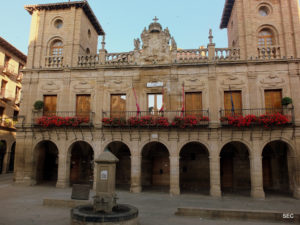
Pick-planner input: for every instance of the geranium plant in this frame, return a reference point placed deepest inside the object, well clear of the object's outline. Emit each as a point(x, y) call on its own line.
point(57, 121)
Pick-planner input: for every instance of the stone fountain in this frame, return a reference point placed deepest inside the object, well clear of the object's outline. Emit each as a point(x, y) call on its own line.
point(105, 210)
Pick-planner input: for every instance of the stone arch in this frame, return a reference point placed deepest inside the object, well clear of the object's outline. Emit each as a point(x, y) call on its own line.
point(46, 155)
point(81, 163)
point(202, 142)
point(235, 168)
point(51, 42)
point(244, 142)
point(279, 167)
point(273, 31)
point(123, 167)
point(125, 142)
point(194, 168)
point(163, 142)
point(155, 166)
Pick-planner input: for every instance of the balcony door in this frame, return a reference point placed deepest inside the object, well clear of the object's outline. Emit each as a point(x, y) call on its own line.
point(193, 103)
point(50, 105)
point(83, 106)
point(118, 106)
point(273, 101)
point(233, 103)
point(155, 103)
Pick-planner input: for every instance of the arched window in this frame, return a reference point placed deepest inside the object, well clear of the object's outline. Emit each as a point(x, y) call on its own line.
point(56, 48)
point(265, 38)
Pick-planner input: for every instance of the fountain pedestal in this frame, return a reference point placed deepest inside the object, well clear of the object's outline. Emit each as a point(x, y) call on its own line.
point(105, 210)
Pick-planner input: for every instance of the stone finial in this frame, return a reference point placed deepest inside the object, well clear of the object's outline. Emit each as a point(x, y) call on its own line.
point(137, 44)
point(103, 42)
point(173, 44)
point(210, 37)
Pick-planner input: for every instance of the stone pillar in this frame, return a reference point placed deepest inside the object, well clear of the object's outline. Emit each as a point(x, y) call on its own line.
point(256, 174)
point(174, 175)
point(136, 171)
point(215, 178)
point(5, 162)
point(63, 176)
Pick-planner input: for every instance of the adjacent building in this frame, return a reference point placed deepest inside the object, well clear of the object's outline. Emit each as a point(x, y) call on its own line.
point(207, 120)
point(12, 62)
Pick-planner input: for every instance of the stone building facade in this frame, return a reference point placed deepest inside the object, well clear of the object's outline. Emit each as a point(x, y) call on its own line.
point(11, 63)
point(207, 120)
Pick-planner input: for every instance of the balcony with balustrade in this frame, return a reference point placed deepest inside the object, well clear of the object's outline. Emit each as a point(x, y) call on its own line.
point(156, 120)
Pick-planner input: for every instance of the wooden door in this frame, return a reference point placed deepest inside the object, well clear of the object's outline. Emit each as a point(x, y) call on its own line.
point(227, 172)
point(267, 175)
point(193, 103)
point(50, 105)
point(83, 106)
point(118, 106)
point(233, 103)
point(273, 101)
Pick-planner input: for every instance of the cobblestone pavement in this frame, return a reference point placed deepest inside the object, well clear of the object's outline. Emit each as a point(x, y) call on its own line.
point(23, 206)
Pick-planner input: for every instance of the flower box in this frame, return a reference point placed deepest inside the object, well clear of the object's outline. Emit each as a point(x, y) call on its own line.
point(57, 121)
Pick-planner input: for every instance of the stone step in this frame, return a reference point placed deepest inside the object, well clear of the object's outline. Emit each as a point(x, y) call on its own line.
point(240, 214)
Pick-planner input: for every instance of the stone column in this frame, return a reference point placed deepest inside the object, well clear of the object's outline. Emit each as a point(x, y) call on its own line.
point(5, 162)
point(63, 176)
point(136, 171)
point(215, 178)
point(256, 173)
point(174, 175)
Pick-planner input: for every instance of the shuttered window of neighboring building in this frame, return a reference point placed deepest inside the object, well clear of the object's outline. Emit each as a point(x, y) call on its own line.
point(83, 106)
point(193, 103)
point(234, 97)
point(50, 105)
point(273, 101)
point(118, 106)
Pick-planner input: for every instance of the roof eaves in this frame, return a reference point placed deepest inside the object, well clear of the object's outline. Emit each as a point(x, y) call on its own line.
point(12, 49)
point(226, 13)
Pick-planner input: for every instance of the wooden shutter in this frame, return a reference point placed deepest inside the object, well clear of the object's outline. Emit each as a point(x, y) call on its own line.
point(50, 105)
point(83, 106)
point(193, 103)
point(237, 103)
point(273, 101)
point(118, 106)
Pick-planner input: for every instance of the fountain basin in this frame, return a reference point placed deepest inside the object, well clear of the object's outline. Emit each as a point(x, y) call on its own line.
point(122, 215)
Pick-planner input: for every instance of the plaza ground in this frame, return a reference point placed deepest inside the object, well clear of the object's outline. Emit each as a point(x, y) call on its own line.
point(22, 205)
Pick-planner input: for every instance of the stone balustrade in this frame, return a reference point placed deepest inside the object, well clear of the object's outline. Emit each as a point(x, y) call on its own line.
point(192, 55)
point(88, 60)
point(227, 53)
point(124, 58)
point(270, 52)
point(54, 61)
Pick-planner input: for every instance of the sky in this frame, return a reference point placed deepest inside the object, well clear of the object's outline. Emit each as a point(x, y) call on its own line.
point(188, 21)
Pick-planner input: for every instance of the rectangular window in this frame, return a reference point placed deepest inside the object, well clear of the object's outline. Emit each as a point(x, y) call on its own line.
point(233, 103)
point(193, 103)
point(118, 106)
point(50, 105)
point(6, 60)
point(155, 103)
point(83, 106)
point(3, 87)
point(273, 101)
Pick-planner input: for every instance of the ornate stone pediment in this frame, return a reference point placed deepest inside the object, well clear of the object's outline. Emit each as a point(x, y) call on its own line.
point(272, 80)
point(233, 80)
point(156, 45)
point(50, 86)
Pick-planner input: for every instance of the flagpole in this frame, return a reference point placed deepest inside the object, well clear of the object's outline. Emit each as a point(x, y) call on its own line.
point(182, 108)
point(232, 103)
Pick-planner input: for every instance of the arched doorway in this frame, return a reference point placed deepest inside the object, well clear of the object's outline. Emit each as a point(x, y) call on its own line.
point(2, 154)
point(155, 167)
point(12, 158)
point(194, 168)
point(235, 169)
point(277, 168)
point(82, 163)
point(123, 168)
point(47, 162)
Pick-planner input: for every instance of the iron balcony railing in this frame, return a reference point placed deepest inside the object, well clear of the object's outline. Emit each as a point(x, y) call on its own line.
point(48, 119)
point(260, 116)
point(153, 119)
